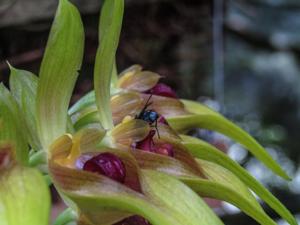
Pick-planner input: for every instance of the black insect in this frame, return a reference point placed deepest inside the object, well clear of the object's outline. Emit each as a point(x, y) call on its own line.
point(149, 116)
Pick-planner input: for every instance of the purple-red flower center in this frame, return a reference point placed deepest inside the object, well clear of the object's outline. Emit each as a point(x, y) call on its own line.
point(165, 149)
point(162, 120)
point(147, 144)
point(133, 220)
point(162, 90)
point(107, 164)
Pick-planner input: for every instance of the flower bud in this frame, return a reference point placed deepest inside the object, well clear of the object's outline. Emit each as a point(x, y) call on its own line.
point(162, 120)
point(107, 164)
point(147, 144)
point(133, 220)
point(162, 90)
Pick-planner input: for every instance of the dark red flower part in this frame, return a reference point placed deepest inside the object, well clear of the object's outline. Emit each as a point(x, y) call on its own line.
point(133, 220)
point(107, 164)
point(82, 159)
point(165, 149)
point(162, 120)
point(147, 144)
point(162, 90)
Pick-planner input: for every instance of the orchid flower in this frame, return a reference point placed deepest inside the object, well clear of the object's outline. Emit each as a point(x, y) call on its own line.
point(120, 155)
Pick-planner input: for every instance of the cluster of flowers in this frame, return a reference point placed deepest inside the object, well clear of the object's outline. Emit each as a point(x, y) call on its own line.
point(120, 155)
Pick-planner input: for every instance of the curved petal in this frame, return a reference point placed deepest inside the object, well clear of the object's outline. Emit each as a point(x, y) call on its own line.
point(131, 131)
point(21, 191)
point(125, 104)
point(58, 72)
point(139, 81)
point(13, 129)
point(203, 150)
point(206, 118)
point(184, 204)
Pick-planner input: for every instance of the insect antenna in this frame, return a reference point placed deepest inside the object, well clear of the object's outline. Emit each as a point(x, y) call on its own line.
point(156, 128)
point(145, 107)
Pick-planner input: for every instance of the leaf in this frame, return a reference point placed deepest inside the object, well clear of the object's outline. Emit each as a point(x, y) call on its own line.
point(13, 129)
point(208, 152)
point(23, 85)
point(110, 27)
point(58, 72)
point(185, 205)
point(206, 118)
point(21, 192)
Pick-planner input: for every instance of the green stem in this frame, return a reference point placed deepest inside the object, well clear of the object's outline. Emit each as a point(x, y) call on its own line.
point(38, 158)
point(65, 217)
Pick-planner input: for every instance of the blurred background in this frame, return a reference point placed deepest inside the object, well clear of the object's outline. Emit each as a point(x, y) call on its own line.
point(240, 57)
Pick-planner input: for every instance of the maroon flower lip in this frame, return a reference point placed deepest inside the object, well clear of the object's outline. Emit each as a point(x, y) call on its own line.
point(107, 164)
point(162, 90)
point(162, 120)
point(133, 220)
point(147, 144)
point(165, 149)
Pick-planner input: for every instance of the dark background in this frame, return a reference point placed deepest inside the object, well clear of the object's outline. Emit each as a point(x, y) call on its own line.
point(260, 89)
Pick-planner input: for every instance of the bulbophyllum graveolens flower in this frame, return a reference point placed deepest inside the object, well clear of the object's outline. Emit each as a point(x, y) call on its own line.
point(119, 155)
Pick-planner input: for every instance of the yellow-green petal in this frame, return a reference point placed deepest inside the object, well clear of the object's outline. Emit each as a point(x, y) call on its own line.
point(24, 195)
point(203, 117)
point(13, 129)
point(203, 150)
point(58, 72)
point(110, 27)
point(23, 85)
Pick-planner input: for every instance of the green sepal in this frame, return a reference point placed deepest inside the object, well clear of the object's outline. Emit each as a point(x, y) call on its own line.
point(181, 202)
point(206, 118)
point(12, 128)
point(24, 194)
point(223, 185)
point(109, 32)
point(84, 102)
point(23, 85)
point(67, 216)
point(94, 193)
point(203, 150)
point(58, 72)
point(219, 183)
